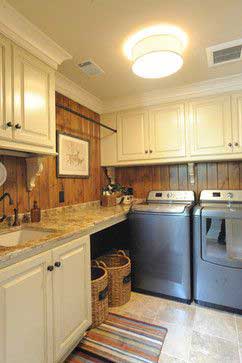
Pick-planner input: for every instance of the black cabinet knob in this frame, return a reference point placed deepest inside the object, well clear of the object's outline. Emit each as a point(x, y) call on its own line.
point(9, 124)
point(50, 268)
point(18, 126)
point(58, 264)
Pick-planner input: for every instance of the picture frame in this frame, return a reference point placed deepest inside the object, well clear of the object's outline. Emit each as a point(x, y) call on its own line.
point(73, 159)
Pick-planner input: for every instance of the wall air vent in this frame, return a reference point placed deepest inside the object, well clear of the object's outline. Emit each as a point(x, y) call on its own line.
point(224, 53)
point(90, 68)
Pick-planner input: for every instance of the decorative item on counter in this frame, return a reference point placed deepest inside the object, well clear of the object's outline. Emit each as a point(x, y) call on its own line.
point(109, 195)
point(128, 199)
point(108, 200)
point(128, 195)
point(35, 213)
point(122, 195)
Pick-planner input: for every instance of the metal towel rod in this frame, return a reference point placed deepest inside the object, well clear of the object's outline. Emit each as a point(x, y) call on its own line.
point(85, 117)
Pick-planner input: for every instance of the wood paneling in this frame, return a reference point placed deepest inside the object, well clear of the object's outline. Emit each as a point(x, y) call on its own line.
point(48, 185)
point(219, 175)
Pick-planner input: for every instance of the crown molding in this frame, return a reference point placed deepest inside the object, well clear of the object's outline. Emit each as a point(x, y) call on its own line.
point(75, 92)
point(20, 30)
point(199, 89)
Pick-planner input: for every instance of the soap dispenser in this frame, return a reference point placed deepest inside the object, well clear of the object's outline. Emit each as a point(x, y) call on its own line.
point(35, 213)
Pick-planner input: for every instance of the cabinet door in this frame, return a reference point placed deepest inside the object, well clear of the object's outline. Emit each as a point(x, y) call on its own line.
point(5, 89)
point(72, 294)
point(210, 126)
point(133, 135)
point(34, 100)
point(26, 311)
point(167, 131)
point(237, 122)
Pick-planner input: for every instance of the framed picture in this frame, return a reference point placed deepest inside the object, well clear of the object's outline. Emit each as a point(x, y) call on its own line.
point(73, 159)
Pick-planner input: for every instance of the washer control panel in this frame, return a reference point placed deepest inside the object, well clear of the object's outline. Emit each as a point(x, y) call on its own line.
point(221, 195)
point(171, 195)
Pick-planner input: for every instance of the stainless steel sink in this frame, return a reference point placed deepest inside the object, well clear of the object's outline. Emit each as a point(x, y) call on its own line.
point(21, 236)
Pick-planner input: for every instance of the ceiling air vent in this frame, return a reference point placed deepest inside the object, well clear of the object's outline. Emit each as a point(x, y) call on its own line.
point(90, 68)
point(224, 53)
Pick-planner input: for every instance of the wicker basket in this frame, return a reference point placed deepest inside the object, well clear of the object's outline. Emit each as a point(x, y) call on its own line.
point(119, 277)
point(99, 294)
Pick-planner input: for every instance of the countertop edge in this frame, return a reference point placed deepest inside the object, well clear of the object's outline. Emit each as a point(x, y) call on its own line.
point(20, 255)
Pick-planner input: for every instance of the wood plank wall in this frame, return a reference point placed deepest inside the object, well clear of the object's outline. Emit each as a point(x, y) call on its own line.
point(214, 175)
point(48, 185)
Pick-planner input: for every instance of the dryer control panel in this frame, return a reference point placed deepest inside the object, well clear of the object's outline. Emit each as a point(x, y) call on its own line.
point(221, 196)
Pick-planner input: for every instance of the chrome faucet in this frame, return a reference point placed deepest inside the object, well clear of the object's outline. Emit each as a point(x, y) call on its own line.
point(10, 203)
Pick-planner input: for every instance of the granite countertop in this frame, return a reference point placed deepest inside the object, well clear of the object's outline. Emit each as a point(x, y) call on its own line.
point(62, 223)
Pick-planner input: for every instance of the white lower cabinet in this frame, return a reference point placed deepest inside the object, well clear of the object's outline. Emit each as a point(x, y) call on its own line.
point(45, 304)
point(71, 294)
point(26, 311)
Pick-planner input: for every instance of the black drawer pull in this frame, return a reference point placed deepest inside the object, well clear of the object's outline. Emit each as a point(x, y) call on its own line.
point(50, 268)
point(58, 264)
point(103, 294)
point(127, 279)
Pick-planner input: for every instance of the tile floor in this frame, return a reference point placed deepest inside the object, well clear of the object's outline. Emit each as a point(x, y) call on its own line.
point(195, 334)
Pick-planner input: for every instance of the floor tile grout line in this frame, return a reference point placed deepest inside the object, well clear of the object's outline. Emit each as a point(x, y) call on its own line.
point(216, 336)
point(237, 330)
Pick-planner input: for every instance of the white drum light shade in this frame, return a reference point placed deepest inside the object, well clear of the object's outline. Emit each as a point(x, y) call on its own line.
point(156, 52)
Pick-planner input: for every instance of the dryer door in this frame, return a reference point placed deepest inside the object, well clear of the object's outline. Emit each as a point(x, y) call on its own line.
point(221, 241)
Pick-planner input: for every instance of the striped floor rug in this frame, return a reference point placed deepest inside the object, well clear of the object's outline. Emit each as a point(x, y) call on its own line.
point(120, 340)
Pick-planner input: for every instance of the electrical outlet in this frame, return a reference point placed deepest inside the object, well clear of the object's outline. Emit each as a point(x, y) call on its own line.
point(61, 196)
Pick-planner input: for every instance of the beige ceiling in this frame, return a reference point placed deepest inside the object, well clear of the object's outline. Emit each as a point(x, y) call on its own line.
point(96, 29)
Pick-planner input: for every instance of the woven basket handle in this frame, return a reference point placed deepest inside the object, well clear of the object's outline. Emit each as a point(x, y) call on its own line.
point(103, 264)
point(122, 253)
point(95, 263)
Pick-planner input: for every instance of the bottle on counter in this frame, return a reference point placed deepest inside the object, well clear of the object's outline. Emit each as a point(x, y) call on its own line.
point(35, 213)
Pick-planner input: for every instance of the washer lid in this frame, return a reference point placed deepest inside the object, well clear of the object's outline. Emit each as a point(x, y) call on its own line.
point(160, 208)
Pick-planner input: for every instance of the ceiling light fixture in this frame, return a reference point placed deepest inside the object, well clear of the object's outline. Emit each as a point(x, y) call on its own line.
point(156, 51)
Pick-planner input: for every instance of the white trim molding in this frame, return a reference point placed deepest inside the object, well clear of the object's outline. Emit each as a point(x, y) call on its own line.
point(199, 89)
point(20, 30)
point(75, 92)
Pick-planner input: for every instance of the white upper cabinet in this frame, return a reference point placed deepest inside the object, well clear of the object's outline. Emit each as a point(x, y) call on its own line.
point(5, 89)
point(167, 132)
point(26, 311)
point(237, 122)
point(27, 101)
point(133, 135)
point(207, 128)
point(72, 294)
point(210, 126)
point(34, 87)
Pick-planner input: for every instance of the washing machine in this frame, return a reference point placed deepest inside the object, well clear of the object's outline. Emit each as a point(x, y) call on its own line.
point(217, 250)
point(160, 233)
